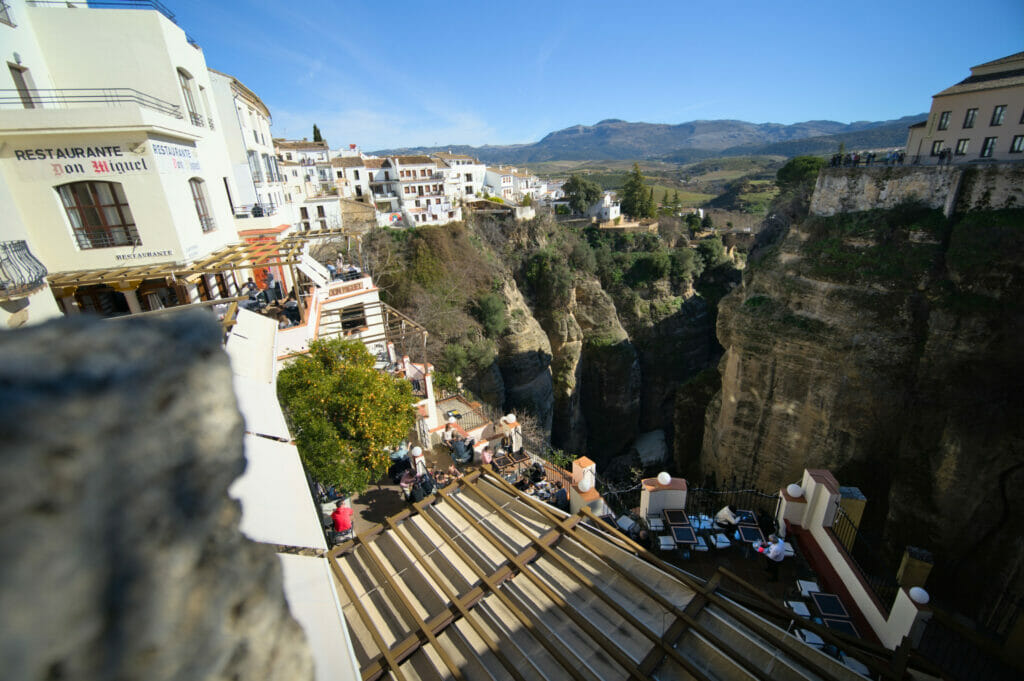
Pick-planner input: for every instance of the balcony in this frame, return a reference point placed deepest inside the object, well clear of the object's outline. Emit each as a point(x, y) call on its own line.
point(91, 110)
point(85, 97)
point(20, 273)
point(115, 4)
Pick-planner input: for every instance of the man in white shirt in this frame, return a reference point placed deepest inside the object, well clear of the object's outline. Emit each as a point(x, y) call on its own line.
point(773, 552)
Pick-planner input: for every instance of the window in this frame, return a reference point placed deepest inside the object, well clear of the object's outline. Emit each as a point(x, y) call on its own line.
point(944, 120)
point(227, 190)
point(998, 114)
point(961, 147)
point(341, 174)
point(353, 317)
point(469, 177)
point(254, 166)
point(277, 169)
point(936, 147)
point(356, 174)
point(186, 91)
point(269, 166)
point(320, 211)
point(304, 212)
point(1017, 145)
point(21, 83)
point(202, 202)
point(969, 118)
point(359, 190)
point(988, 147)
point(99, 214)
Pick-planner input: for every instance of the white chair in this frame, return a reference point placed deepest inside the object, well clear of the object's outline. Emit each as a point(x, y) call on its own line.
point(810, 638)
point(666, 543)
point(655, 523)
point(721, 541)
point(807, 588)
point(799, 607)
point(855, 665)
point(701, 545)
point(788, 549)
point(625, 523)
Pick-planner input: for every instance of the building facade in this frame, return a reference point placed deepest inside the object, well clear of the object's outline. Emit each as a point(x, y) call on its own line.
point(111, 162)
point(979, 119)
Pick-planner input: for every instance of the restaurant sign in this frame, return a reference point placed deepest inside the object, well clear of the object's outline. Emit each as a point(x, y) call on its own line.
point(90, 161)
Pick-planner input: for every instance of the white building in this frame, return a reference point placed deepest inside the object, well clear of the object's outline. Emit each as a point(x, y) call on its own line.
point(258, 189)
point(309, 183)
point(425, 195)
point(513, 184)
point(605, 209)
point(465, 174)
point(111, 162)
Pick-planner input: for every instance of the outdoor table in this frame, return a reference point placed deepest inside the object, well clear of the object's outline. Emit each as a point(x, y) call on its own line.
point(676, 517)
point(829, 605)
point(843, 626)
point(519, 457)
point(744, 517)
point(751, 534)
point(502, 462)
point(684, 535)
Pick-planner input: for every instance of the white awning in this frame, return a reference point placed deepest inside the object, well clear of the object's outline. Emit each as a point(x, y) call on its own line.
point(251, 346)
point(259, 406)
point(309, 589)
point(277, 507)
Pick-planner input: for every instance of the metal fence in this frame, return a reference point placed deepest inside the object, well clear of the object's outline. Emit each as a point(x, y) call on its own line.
point(878, 572)
point(709, 501)
point(83, 97)
point(20, 271)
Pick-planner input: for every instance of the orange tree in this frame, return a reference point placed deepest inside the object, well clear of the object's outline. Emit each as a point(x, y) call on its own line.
point(343, 412)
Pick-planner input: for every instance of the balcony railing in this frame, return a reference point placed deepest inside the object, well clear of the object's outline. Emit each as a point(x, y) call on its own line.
point(208, 224)
point(115, 4)
point(256, 210)
point(20, 272)
point(876, 570)
point(197, 118)
point(5, 14)
point(82, 97)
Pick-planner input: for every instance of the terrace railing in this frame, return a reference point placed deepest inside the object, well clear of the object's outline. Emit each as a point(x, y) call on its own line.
point(20, 272)
point(878, 572)
point(115, 4)
point(66, 98)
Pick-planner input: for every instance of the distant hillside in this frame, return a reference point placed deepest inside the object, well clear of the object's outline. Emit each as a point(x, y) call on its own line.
point(880, 137)
point(616, 139)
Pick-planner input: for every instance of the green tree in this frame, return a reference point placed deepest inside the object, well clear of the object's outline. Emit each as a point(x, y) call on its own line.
point(706, 223)
point(343, 412)
point(634, 194)
point(651, 207)
point(316, 134)
point(581, 192)
point(799, 174)
point(489, 310)
point(712, 252)
point(527, 200)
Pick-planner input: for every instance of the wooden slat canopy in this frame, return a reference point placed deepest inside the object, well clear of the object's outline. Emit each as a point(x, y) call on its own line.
point(286, 252)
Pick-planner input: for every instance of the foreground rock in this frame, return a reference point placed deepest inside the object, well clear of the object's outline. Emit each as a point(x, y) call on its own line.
point(122, 555)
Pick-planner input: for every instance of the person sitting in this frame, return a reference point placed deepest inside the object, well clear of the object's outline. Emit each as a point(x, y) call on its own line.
point(561, 499)
point(450, 434)
point(454, 473)
point(402, 452)
point(726, 518)
point(524, 483)
point(537, 472)
point(440, 477)
point(462, 451)
point(486, 457)
point(342, 517)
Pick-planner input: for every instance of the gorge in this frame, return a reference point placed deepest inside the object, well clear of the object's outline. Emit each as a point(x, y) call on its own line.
point(881, 343)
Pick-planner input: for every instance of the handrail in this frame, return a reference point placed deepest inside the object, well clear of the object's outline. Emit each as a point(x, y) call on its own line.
point(68, 97)
point(111, 4)
point(20, 271)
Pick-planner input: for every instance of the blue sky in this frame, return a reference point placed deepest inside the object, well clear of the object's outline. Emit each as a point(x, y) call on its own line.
point(390, 74)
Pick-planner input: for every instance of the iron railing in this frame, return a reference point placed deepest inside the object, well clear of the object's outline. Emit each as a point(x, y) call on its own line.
point(208, 224)
point(20, 272)
point(197, 118)
point(709, 501)
point(110, 4)
point(75, 97)
point(5, 14)
point(879, 574)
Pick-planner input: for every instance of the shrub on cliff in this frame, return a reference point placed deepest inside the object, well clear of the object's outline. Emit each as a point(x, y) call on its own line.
point(343, 412)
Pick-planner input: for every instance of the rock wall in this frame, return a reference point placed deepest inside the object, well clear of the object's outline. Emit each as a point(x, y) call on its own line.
point(885, 346)
point(122, 554)
point(960, 187)
point(524, 360)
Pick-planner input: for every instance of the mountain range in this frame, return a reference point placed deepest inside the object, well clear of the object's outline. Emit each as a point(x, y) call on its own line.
point(615, 139)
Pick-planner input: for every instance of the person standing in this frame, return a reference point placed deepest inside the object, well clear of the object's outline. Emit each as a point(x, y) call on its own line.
point(773, 552)
point(342, 517)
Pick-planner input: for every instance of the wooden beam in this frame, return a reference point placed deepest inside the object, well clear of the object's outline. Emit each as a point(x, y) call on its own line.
point(603, 641)
point(410, 610)
point(365, 617)
point(601, 594)
point(540, 632)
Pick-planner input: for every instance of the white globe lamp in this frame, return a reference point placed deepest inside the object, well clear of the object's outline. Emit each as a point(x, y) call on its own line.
point(919, 595)
point(664, 479)
point(585, 484)
point(416, 451)
point(795, 490)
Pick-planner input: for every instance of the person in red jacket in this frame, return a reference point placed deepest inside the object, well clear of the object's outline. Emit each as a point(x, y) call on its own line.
point(342, 517)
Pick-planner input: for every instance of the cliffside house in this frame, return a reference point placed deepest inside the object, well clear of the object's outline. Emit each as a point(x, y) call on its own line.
point(981, 118)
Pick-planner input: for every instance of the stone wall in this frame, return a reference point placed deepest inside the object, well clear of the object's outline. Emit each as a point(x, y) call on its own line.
point(959, 187)
point(122, 554)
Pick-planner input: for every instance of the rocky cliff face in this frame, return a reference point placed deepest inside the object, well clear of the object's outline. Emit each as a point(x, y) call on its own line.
point(885, 346)
point(122, 554)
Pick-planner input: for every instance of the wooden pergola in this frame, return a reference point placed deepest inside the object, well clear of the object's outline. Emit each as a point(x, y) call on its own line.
point(284, 253)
